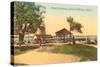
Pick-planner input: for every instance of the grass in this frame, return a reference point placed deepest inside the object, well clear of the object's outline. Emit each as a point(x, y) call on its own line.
point(22, 49)
point(85, 52)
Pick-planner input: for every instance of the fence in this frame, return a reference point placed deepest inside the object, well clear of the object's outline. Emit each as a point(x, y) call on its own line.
point(86, 38)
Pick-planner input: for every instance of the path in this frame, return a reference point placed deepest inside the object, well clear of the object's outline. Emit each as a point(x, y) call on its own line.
point(33, 57)
point(92, 45)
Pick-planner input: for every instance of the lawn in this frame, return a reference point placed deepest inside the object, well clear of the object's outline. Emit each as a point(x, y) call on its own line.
point(22, 49)
point(86, 53)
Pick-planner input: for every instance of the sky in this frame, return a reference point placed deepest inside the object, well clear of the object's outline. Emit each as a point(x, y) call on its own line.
point(56, 17)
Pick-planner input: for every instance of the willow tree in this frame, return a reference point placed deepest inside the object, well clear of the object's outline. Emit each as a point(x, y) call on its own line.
point(74, 26)
point(28, 17)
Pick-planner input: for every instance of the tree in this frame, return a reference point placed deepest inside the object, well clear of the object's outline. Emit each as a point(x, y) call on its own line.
point(43, 33)
point(28, 16)
point(74, 26)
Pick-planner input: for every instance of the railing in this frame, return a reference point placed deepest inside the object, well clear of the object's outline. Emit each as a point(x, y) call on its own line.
point(77, 37)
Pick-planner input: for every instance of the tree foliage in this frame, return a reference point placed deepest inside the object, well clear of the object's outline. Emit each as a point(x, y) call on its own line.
point(74, 26)
point(27, 12)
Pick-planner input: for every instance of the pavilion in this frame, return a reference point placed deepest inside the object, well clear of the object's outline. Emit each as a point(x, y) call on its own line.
point(62, 34)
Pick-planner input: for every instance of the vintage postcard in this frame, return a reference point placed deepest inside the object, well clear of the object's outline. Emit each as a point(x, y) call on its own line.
point(48, 33)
